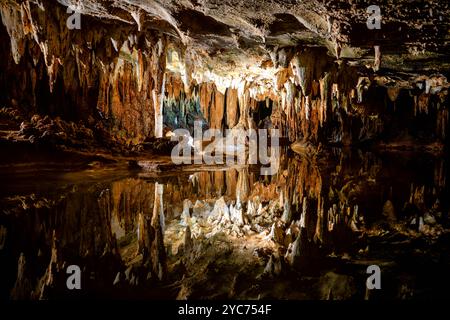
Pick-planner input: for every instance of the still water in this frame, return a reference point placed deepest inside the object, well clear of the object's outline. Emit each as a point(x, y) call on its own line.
point(308, 232)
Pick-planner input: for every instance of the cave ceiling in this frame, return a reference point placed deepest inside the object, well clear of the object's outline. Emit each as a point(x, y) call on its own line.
point(239, 34)
point(260, 46)
point(246, 37)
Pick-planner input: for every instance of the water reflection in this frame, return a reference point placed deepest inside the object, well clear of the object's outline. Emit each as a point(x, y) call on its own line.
point(308, 232)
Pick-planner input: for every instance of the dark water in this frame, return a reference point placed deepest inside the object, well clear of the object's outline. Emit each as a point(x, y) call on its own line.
point(127, 230)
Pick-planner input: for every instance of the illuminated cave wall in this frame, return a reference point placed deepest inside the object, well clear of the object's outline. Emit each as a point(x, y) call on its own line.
point(114, 76)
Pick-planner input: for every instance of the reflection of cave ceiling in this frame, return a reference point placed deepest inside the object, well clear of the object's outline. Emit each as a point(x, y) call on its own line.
point(244, 32)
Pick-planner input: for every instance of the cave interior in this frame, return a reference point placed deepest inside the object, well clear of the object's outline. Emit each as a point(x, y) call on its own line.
point(93, 92)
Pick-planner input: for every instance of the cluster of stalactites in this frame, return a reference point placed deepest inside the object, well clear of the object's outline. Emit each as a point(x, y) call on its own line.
point(125, 67)
point(221, 108)
point(311, 92)
point(20, 25)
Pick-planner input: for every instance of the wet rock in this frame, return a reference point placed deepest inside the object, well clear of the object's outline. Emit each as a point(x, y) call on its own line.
point(429, 219)
point(133, 165)
point(389, 211)
point(274, 267)
point(258, 229)
point(334, 286)
point(22, 288)
point(148, 165)
point(27, 129)
point(305, 148)
point(263, 253)
point(12, 114)
point(48, 131)
point(187, 240)
point(160, 146)
point(3, 236)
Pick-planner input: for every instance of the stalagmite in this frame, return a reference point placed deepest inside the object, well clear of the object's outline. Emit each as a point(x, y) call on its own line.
point(296, 254)
point(221, 210)
point(236, 215)
point(304, 213)
point(287, 214)
point(185, 215)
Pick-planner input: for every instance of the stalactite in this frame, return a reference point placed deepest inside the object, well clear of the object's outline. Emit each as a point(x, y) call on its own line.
point(442, 123)
point(12, 17)
point(206, 96)
point(324, 89)
point(318, 236)
point(123, 82)
point(129, 73)
point(217, 110)
point(232, 111)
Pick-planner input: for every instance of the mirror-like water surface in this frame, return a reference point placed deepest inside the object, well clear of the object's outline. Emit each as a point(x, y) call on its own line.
point(308, 232)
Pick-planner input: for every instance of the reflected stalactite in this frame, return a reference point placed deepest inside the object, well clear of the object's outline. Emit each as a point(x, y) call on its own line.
point(440, 174)
point(22, 287)
point(155, 240)
point(294, 220)
point(231, 182)
point(129, 198)
point(243, 185)
point(442, 124)
point(307, 180)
